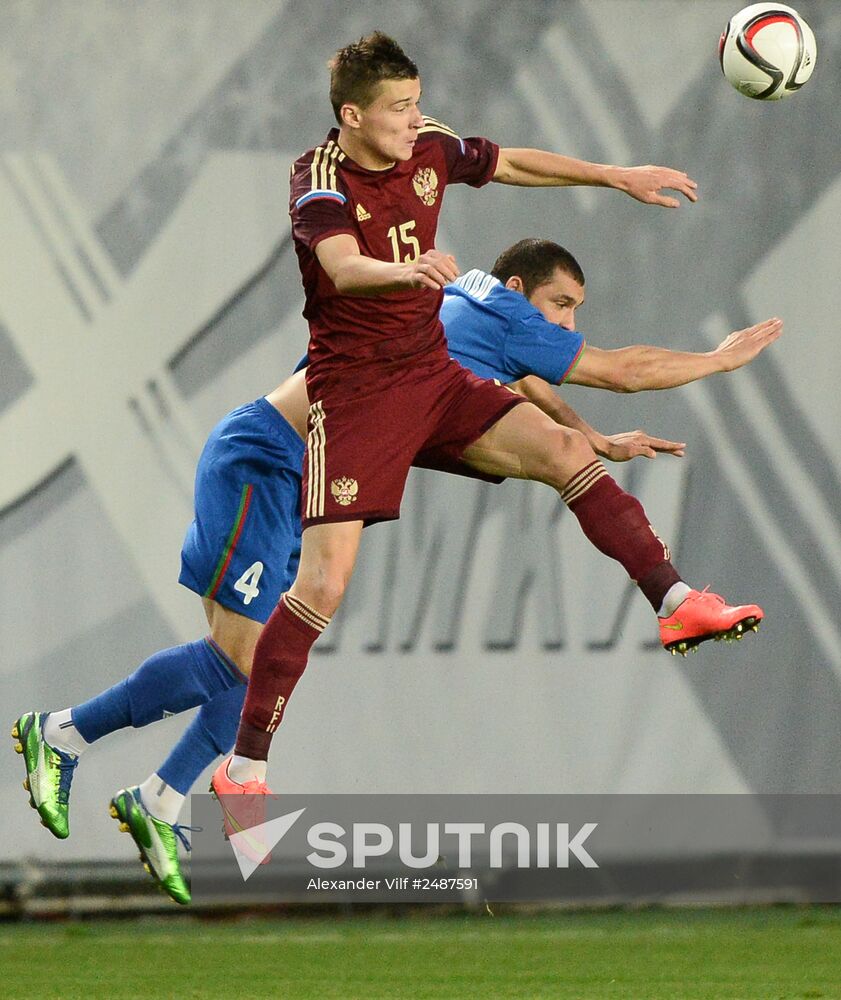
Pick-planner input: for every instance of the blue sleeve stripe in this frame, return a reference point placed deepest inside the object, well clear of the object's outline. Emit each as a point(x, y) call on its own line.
point(319, 193)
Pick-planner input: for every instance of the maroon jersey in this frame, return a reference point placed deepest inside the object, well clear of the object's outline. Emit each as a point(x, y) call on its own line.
point(393, 215)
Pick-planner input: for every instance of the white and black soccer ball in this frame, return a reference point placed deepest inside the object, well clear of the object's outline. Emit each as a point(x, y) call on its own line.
point(767, 51)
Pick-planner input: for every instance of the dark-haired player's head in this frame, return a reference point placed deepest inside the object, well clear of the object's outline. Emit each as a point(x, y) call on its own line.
point(358, 70)
point(374, 90)
point(547, 274)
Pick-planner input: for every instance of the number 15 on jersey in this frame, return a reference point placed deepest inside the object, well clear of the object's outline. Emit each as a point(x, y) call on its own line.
point(402, 239)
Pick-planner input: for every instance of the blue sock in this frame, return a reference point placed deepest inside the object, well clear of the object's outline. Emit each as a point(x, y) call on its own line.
point(211, 733)
point(167, 683)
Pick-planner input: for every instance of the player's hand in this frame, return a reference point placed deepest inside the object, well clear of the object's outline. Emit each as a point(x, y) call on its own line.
point(432, 269)
point(646, 183)
point(743, 346)
point(634, 444)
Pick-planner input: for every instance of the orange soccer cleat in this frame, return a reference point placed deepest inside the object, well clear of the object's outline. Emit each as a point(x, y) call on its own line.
point(243, 808)
point(703, 615)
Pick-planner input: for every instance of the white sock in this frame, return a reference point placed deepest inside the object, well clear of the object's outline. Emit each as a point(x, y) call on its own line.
point(61, 734)
point(161, 799)
point(242, 769)
point(675, 596)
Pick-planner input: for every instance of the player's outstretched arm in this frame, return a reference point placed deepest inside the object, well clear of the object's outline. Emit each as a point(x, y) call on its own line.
point(615, 447)
point(537, 168)
point(354, 274)
point(634, 369)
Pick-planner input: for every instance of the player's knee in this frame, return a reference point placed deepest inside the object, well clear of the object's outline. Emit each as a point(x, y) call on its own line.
point(323, 591)
point(242, 654)
point(564, 452)
point(238, 649)
point(236, 636)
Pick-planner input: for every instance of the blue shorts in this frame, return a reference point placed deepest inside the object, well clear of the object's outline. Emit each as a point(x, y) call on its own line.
point(243, 546)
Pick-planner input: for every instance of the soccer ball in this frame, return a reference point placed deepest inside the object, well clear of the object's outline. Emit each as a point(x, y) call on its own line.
point(767, 51)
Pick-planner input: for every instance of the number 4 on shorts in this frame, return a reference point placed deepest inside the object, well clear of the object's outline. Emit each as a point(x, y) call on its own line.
point(247, 583)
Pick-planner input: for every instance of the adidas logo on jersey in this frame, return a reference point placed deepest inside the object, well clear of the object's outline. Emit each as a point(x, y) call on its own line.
point(361, 214)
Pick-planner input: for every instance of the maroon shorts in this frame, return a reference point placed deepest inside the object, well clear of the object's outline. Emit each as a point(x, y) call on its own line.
point(365, 436)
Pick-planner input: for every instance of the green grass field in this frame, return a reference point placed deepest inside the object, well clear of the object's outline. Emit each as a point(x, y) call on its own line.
point(775, 953)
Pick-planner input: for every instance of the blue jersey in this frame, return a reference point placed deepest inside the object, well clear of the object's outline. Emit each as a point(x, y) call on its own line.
point(498, 333)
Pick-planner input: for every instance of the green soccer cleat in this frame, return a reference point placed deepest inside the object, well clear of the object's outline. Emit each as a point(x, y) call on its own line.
point(49, 773)
point(156, 840)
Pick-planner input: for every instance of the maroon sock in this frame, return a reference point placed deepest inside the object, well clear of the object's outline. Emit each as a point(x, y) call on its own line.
point(280, 658)
point(616, 524)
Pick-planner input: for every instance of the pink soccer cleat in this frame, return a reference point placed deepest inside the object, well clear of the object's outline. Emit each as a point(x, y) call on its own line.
point(703, 615)
point(243, 808)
